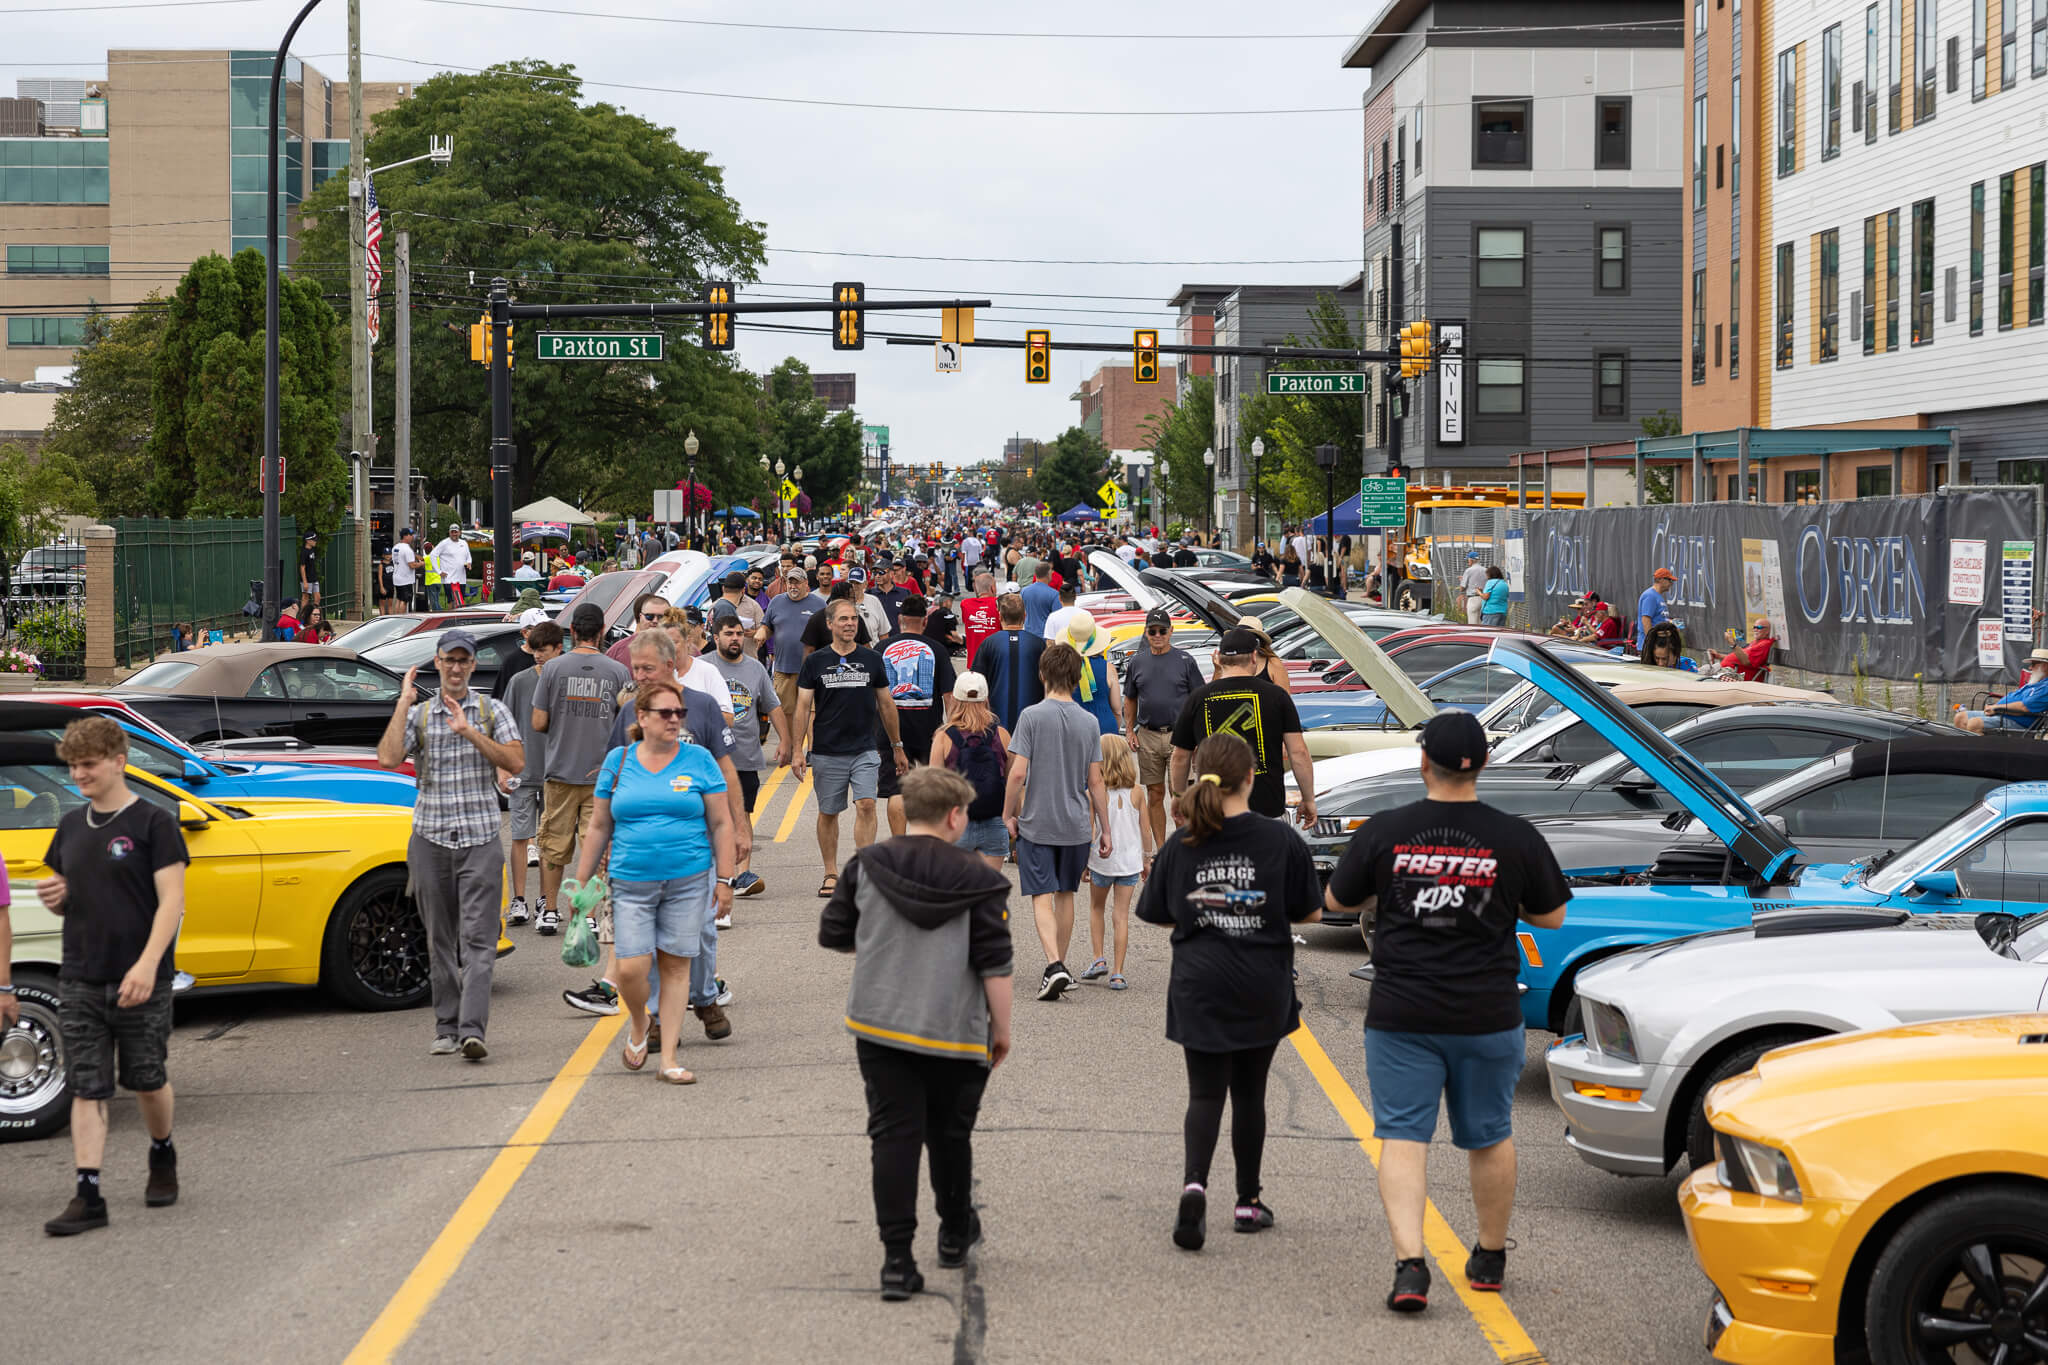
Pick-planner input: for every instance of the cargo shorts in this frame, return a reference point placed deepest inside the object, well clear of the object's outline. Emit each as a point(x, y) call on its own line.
point(98, 1034)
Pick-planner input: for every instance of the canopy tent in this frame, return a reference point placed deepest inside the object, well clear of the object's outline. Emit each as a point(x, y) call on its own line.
point(1080, 511)
point(990, 503)
point(534, 531)
point(746, 513)
point(552, 509)
point(1347, 519)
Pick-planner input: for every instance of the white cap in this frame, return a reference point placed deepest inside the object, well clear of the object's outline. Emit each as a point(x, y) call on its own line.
point(532, 617)
point(970, 686)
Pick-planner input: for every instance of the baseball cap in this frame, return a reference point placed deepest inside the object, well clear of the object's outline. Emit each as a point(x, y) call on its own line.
point(1472, 554)
point(913, 605)
point(1238, 641)
point(311, 536)
point(587, 620)
point(856, 575)
point(455, 639)
point(1159, 616)
point(1664, 573)
point(531, 617)
point(1455, 740)
point(970, 687)
point(794, 572)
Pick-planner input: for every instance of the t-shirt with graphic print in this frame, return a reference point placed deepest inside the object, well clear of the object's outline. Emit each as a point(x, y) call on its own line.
point(1230, 900)
point(753, 697)
point(920, 678)
point(1452, 878)
point(1258, 712)
point(580, 693)
point(109, 865)
point(843, 709)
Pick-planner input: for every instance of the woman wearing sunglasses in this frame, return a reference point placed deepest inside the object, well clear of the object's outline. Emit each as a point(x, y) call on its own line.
point(661, 810)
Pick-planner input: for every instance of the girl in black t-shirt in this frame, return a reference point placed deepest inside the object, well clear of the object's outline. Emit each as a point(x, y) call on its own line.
point(1231, 883)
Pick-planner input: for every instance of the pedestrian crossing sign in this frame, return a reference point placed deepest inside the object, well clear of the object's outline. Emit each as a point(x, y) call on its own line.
point(1112, 496)
point(790, 491)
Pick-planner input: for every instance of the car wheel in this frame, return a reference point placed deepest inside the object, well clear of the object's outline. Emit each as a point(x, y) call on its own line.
point(35, 1091)
point(1699, 1138)
point(1963, 1271)
point(375, 955)
point(1408, 600)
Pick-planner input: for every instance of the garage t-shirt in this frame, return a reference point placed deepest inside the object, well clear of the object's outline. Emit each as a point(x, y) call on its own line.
point(1452, 878)
point(110, 893)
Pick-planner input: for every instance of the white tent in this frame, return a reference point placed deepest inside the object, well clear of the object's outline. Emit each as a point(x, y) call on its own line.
point(552, 509)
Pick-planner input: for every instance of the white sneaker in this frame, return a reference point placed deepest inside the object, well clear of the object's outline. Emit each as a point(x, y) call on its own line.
point(724, 996)
point(723, 921)
point(515, 913)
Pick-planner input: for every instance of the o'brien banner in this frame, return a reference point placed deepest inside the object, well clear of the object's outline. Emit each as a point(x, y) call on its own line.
point(1849, 586)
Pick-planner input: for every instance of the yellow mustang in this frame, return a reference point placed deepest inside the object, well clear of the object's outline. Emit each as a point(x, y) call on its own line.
point(280, 892)
point(1887, 1190)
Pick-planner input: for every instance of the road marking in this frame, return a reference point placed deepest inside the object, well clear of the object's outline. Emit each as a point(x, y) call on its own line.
point(1497, 1322)
point(796, 808)
point(410, 1304)
point(768, 788)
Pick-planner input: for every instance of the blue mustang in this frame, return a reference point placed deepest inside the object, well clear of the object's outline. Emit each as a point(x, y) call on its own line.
point(1990, 858)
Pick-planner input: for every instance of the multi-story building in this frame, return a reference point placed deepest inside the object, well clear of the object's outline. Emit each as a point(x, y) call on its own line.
point(1117, 410)
point(165, 165)
point(1197, 327)
point(1866, 185)
point(1523, 181)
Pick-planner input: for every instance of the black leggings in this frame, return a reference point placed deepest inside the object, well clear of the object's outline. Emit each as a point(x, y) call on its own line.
point(1241, 1075)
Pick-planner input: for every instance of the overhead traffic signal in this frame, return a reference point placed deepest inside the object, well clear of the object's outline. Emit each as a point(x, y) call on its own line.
point(1415, 356)
point(1145, 355)
point(718, 325)
point(1038, 356)
point(482, 343)
point(956, 325)
point(846, 322)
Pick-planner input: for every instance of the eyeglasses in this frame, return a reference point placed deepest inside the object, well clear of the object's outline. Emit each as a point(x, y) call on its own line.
point(654, 616)
point(665, 712)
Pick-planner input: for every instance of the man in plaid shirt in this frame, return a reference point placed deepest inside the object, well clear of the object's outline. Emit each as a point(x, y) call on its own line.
point(459, 741)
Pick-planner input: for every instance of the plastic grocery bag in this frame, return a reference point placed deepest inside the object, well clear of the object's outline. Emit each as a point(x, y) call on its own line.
point(579, 938)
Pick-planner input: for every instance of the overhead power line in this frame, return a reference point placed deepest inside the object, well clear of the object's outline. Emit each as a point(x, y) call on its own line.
point(134, 4)
point(891, 32)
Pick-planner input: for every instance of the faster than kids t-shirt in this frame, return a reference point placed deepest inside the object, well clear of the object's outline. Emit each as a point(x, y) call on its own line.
point(110, 895)
point(843, 709)
point(658, 825)
point(1452, 878)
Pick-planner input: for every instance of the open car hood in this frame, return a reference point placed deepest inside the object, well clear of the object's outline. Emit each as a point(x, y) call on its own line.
point(1126, 578)
point(1210, 606)
point(1367, 659)
point(1732, 820)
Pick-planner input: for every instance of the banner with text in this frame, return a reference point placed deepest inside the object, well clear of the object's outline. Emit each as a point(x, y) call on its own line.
point(1891, 587)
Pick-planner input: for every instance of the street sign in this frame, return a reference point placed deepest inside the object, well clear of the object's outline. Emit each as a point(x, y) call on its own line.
point(946, 357)
point(790, 491)
point(1383, 503)
point(1313, 381)
point(1110, 495)
point(600, 345)
point(668, 505)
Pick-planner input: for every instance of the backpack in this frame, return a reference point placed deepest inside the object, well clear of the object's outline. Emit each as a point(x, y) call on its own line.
point(487, 721)
point(983, 761)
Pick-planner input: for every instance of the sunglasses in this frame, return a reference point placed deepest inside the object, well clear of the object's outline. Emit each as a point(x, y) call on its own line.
point(1159, 630)
point(665, 712)
point(654, 616)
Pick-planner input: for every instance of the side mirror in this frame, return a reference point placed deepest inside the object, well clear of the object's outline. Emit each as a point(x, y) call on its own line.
point(191, 817)
point(1941, 884)
point(195, 771)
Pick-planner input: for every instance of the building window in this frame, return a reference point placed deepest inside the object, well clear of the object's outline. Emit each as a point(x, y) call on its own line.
point(1874, 481)
point(2005, 252)
point(1501, 390)
point(1788, 112)
point(2033, 472)
point(1502, 254)
point(1500, 134)
point(46, 331)
point(1867, 92)
point(1699, 151)
point(1784, 306)
point(53, 170)
point(1923, 272)
point(1893, 37)
point(1699, 16)
point(1699, 326)
point(1612, 398)
point(1831, 93)
point(1386, 175)
point(57, 260)
point(1977, 34)
point(1830, 320)
point(2041, 37)
point(1977, 259)
point(1735, 318)
point(1735, 132)
point(1869, 309)
point(1610, 133)
point(1891, 280)
point(2037, 239)
point(1418, 141)
point(1613, 260)
point(1927, 53)
point(1400, 164)
point(1802, 485)
point(1755, 486)
point(2009, 45)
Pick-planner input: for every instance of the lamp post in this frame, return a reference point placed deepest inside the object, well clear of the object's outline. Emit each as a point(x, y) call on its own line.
point(796, 476)
point(690, 449)
point(781, 517)
point(1209, 498)
point(1258, 506)
point(1326, 456)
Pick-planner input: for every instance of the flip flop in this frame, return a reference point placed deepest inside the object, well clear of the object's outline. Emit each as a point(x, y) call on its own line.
point(828, 886)
point(676, 1075)
point(628, 1053)
point(1117, 982)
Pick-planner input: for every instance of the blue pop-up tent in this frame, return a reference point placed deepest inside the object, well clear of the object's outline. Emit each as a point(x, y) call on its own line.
point(1347, 520)
point(1080, 511)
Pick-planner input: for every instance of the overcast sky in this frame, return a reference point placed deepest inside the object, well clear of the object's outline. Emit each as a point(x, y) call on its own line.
point(916, 184)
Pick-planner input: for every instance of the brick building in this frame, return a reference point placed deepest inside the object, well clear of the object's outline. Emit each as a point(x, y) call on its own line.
point(1117, 410)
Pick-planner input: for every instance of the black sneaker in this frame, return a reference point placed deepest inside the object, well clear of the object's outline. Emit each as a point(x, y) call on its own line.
point(900, 1279)
point(1484, 1270)
point(1252, 1216)
point(1190, 1230)
point(78, 1216)
point(600, 998)
point(163, 1180)
point(1410, 1293)
point(953, 1243)
point(1056, 981)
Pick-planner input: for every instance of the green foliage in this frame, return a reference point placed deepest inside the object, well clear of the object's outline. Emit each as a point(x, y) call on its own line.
point(574, 203)
point(51, 632)
point(1660, 483)
point(796, 429)
point(206, 443)
point(1179, 435)
point(37, 492)
point(1293, 425)
point(1015, 490)
point(1071, 470)
point(103, 421)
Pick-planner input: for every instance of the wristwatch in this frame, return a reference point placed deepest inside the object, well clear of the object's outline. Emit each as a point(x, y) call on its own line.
point(728, 881)
point(899, 743)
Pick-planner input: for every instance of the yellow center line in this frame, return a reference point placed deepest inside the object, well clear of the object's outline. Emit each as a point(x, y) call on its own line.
point(796, 808)
point(768, 787)
point(410, 1304)
point(1497, 1322)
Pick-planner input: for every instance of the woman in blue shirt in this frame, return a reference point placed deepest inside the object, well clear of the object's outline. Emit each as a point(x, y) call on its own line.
point(666, 837)
point(1493, 607)
point(1094, 694)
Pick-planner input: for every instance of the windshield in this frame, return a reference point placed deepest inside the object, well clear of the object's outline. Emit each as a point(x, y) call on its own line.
point(1898, 874)
point(2032, 941)
point(414, 651)
point(165, 674)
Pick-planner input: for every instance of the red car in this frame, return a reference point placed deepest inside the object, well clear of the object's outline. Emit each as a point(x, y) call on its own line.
point(272, 749)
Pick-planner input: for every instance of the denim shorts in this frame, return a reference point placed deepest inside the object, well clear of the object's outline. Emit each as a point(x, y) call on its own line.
point(1044, 869)
point(1493, 618)
point(1474, 1074)
point(98, 1034)
point(667, 915)
point(986, 836)
point(1112, 878)
point(2002, 721)
point(835, 777)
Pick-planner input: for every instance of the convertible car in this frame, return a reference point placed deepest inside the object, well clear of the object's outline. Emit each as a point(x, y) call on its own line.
point(316, 693)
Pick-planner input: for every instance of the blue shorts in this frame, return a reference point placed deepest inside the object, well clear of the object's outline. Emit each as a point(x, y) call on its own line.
point(668, 915)
point(1474, 1074)
point(2003, 721)
point(1493, 618)
point(1046, 869)
point(834, 777)
point(986, 836)
point(1112, 878)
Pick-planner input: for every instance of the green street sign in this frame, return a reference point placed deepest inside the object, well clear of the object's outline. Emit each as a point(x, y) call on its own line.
point(1313, 381)
point(1383, 503)
point(600, 345)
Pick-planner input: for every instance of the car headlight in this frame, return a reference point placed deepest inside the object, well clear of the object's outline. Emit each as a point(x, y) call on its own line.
point(1753, 1168)
point(1337, 826)
point(1607, 1029)
point(1419, 569)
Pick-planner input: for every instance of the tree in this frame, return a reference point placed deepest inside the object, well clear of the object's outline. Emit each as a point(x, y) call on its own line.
point(797, 429)
point(37, 492)
point(572, 203)
point(1660, 483)
point(207, 397)
point(1179, 435)
point(1293, 425)
point(1013, 489)
point(1072, 469)
point(102, 422)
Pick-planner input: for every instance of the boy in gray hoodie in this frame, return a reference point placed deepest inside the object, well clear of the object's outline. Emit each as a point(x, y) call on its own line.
point(929, 1009)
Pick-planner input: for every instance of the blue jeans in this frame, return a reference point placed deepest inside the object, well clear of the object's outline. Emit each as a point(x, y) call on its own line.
point(704, 966)
point(1493, 618)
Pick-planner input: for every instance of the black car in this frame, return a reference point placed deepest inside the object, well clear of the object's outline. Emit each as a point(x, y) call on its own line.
point(495, 647)
point(321, 694)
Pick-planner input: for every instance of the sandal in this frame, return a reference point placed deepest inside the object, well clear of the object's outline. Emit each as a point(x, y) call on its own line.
point(1096, 969)
point(828, 886)
point(1117, 982)
point(676, 1075)
point(629, 1052)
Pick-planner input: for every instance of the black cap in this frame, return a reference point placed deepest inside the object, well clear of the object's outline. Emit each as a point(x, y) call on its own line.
point(1238, 641)
point(587, 621)
point(1455, 740)
point(1159, 616)
point(913, 605)
point(735, 580)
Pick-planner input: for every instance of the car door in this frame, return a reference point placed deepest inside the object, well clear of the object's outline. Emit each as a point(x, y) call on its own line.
point(2007, 872)
point(1746, 757)
point(337, 700)
point(265, 709)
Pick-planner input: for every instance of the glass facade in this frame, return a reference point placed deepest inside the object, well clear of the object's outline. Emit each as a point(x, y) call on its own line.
point(46, 331)
point(56, 260)
point(249, 165)
point(53, 170)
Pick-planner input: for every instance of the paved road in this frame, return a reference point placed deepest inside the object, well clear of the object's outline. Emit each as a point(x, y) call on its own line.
point(346, 1193)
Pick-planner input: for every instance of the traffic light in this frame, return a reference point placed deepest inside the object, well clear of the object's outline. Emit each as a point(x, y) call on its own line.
point(1145, 355)
point(718, 326)
point(482, 343)
point(1415, 357)
point(1038, 356)
point(846, 322)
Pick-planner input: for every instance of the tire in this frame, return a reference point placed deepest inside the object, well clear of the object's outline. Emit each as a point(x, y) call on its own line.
point(35, 1091)
point(1937, 1267)
point(374, 956)
point(1699, 1138)
point(1410, 600)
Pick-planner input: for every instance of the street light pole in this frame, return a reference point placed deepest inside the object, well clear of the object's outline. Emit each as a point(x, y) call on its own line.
point(690, 449)
point(1209, 498)
point(1258, 506)
point(1326, 456)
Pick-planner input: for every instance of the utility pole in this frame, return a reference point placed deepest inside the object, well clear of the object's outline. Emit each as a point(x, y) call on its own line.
point(401, 408)
point(358, 286)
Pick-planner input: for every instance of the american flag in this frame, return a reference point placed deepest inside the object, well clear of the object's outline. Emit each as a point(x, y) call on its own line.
point(373, 252)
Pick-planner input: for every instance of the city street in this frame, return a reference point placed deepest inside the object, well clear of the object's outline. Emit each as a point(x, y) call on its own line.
point(345, 1192)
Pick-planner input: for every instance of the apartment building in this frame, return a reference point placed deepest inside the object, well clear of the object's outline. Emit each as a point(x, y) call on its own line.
point(1523, 184)
point(1119, 411)
point(1866, 187)
point(135, 175)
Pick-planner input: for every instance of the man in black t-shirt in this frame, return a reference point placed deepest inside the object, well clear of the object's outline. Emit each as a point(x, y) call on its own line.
point(1240, 700)
point(1444, 881)
point(842, 698)
point(117, 868)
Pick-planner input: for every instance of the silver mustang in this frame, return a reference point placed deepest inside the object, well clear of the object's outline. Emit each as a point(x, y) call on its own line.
point(1665, 1023)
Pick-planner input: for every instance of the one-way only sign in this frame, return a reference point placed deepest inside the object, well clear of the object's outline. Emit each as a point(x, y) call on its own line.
point(600, 345)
